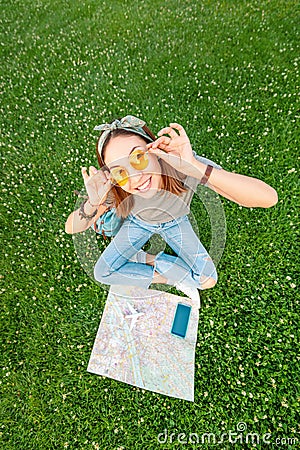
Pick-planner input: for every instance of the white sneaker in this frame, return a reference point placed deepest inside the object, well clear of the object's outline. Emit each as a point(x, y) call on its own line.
point(139, 257)
point(191, 292)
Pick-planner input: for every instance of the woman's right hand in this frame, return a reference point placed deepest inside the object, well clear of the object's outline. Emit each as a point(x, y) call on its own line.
point(97, 184)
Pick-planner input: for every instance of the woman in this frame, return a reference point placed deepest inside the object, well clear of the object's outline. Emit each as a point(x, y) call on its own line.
point(151, 183)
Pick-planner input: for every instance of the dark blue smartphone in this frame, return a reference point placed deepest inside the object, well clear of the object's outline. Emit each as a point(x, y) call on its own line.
point(181, 320)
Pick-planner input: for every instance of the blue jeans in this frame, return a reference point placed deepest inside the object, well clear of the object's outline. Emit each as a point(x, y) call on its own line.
point(192, 265)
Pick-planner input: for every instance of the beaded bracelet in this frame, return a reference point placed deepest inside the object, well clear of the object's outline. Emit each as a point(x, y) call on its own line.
point(83, 215)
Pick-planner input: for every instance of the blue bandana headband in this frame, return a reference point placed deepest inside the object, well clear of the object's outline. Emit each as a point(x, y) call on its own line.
point(129, 123)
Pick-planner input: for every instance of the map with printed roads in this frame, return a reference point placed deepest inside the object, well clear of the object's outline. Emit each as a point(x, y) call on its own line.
point(134, 343)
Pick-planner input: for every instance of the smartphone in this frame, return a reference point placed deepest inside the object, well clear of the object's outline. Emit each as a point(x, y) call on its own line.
point(181, 320)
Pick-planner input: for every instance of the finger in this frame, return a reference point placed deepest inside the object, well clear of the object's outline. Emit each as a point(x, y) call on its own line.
point(168, 130)
point(107, 177)
point(179, 128)
point(105, 170)
point(107, 174)
point(160, 153)
point(103, 177)
point(84, 174)
point(92, 171)
point(164, 147)
point(164, 140)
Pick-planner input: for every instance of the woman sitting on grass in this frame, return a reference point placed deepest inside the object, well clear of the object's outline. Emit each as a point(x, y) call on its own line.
point(151, 182)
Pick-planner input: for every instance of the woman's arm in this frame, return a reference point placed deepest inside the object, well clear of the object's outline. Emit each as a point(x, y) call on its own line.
point(244, 190)
point(97, 184)
point(177, 151)
point(75, 224)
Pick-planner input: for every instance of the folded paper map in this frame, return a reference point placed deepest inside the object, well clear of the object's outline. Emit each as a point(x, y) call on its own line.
point(134, 343)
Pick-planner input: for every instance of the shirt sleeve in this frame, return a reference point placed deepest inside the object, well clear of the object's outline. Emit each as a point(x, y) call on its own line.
point(206, 161)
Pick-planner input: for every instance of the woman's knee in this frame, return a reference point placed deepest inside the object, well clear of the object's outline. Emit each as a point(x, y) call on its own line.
point(101, 270)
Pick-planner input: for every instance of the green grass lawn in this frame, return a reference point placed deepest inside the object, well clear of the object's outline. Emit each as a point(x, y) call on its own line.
point(228, 72)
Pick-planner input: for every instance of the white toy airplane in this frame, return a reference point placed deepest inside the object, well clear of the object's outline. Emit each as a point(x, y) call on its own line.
point(133, 316)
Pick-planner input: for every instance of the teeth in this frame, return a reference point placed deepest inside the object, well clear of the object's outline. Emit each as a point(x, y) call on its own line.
point(145, 185)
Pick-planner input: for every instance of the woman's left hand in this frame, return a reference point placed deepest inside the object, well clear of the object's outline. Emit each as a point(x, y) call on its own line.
point(175, 148)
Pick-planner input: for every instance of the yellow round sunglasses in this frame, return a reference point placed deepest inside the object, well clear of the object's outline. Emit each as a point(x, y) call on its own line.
point(138, 159)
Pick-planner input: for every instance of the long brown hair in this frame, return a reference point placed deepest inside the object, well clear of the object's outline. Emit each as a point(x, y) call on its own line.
point(171, 178)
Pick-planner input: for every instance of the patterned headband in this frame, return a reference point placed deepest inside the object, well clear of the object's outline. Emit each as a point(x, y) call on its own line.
point(129, 123)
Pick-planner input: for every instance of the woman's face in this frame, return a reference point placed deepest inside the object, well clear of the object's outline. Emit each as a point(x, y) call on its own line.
point(146, 182)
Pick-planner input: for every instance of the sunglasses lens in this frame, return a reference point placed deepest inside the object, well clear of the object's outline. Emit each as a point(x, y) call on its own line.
point(139, 159)
point(119, 176)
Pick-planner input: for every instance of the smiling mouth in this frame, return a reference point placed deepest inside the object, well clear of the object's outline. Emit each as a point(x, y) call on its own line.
point(145, 186)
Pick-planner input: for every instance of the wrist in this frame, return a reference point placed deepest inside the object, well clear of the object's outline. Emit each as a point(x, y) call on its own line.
point(86, 211)
point(206, 175)
point(202, 170)
point(94, 203)
point(195, 168)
